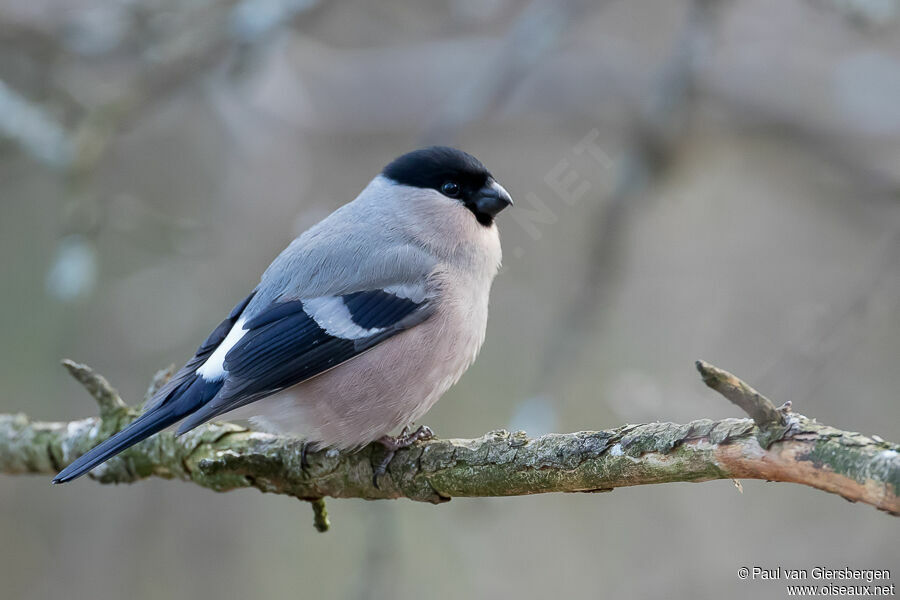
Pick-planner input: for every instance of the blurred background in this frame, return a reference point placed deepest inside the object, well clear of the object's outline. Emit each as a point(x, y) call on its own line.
point(693, 179)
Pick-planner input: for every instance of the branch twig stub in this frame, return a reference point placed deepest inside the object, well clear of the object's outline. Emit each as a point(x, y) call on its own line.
point(98, 387)
point(761, 409)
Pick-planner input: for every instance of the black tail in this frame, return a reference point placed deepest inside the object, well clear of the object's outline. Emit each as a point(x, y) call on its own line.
point(183, 394)
point(187, 397)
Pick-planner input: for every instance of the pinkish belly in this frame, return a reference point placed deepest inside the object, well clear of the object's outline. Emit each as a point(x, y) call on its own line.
point(371, 395)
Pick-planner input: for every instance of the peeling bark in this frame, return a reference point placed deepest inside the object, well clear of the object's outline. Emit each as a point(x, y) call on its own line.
point(783, 446)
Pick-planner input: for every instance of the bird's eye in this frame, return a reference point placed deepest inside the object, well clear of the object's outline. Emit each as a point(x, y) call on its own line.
point(451, 189)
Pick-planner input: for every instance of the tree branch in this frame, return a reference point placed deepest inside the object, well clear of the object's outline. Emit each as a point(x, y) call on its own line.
point(784, 446)
point(752, 402)
point(98, 387)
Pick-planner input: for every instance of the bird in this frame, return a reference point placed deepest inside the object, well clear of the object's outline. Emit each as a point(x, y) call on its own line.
point(358, 327)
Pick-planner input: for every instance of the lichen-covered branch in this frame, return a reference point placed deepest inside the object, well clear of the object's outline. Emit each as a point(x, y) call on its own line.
point(223, 456)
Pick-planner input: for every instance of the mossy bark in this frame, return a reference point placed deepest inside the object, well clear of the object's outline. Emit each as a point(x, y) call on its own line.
point(223, 456)
point(776, 445)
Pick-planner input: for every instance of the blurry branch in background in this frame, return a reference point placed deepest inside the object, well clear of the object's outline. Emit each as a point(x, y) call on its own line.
point(85, 77)
point(871, 181)
point(867, 12)
point(812, 354)
point(169, 46)
point(36, 131)
point(656, 129)
point(817, 136)
point(776, 445)
point(533, 35)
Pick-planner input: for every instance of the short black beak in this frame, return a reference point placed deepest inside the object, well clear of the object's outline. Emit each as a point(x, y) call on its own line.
point(491, 199)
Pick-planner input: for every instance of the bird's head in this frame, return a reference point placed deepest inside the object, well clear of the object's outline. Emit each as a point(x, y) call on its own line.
point(455, 175)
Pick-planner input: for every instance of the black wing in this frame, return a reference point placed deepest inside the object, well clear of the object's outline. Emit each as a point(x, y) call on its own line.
point(186, 392)
point(290, 342)
point(187, 374)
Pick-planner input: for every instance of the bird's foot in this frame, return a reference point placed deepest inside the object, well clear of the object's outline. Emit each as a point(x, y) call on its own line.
point(392, 444)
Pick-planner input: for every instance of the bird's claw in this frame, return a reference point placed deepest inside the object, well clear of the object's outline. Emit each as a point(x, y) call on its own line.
point(392, 444)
